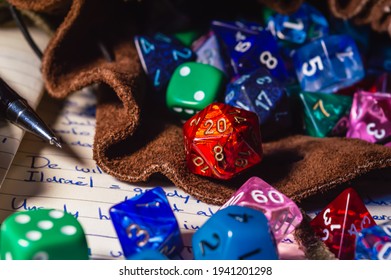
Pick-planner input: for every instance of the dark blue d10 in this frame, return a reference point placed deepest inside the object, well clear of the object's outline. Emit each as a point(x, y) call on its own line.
point(328, 64)
point(146, 222)
point(235, 233)
point(248, 49)
point(160, 54)
point(260, 93)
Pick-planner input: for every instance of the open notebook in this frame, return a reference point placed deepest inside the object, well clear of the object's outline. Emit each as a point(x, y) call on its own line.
point(40, 175)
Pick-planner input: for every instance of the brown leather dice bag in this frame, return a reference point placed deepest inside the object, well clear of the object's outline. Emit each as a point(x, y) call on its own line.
point(136, 141)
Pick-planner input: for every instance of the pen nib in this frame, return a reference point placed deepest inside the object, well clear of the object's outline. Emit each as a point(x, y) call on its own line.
point(54, 141)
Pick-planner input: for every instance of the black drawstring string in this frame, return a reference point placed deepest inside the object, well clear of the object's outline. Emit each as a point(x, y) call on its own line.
point(23, 28)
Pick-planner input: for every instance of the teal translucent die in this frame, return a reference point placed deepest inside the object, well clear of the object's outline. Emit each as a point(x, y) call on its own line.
point(322, 112)
point(235, 233)
point(146, 222)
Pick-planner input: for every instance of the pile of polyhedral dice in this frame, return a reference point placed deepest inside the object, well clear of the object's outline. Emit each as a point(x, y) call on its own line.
point(233, 85)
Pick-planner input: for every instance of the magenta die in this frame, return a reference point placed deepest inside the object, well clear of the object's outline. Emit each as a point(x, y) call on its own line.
point(370, 117)
point(283, 214)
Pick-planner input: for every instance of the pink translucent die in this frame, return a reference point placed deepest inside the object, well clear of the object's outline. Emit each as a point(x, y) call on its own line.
point(370, 117)
point(283, 214)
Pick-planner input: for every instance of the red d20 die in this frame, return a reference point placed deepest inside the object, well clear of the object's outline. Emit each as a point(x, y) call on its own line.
point(221, 141)
point(340, 222)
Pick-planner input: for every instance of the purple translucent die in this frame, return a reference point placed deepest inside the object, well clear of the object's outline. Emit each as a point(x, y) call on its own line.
point(208, 51)
point(374, 243)
point(283, 214)
point(370, 117)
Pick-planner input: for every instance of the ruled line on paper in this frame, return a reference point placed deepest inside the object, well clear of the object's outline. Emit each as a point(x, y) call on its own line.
point(69, 179)
point(20, 68)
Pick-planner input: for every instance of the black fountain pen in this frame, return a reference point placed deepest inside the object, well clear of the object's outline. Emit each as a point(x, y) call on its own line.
point(16, 110)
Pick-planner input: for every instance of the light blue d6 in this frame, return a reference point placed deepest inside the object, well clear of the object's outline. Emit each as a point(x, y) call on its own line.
point(192, 87)
point(235, 233)
point(328, 64)
point(146, 222)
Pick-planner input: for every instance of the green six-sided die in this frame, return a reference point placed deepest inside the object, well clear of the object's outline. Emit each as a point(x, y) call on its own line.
point(43, 234)
point(188, 37)
point(192, 87)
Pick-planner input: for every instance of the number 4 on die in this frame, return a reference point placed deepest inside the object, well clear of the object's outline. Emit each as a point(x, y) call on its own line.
point(340, 222)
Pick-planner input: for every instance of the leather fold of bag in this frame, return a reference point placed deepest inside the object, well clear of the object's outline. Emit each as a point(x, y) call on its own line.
point(135, 142)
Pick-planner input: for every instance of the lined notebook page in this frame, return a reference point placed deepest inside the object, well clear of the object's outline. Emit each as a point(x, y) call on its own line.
point(68, 179)
point(20, 68)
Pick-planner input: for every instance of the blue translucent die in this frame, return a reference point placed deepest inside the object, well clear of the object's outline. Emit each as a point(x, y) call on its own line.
point(260, 93)
point(159, 55)
point(304, 25)
point(328, 64)
point(249, 25)
point(374, 243)
point(248, 49)
point(208, 51)
point(148, 255)
point(146, 222)
point(235, 233)
point(359, 33)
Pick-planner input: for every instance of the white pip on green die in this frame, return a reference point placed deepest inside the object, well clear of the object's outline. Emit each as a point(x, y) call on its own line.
point(192, 87)
point(42, 234)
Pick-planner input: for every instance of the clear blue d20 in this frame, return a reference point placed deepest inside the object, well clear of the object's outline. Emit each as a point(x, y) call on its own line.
point(262, 94)
point(304, 25)
point(374, 243)
point(248, 49)
point(328, 64)
point(235, 233)
point(361, 34)
point(160, 55)
point(146, 222)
